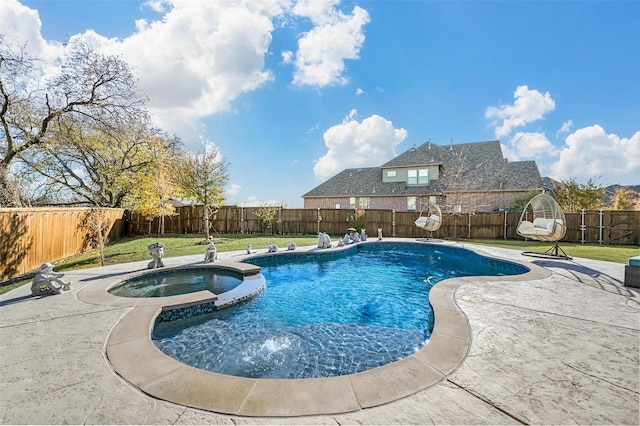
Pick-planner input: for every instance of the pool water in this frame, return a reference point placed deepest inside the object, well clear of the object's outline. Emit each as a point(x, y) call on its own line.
point(324, 315)
point(182, 281)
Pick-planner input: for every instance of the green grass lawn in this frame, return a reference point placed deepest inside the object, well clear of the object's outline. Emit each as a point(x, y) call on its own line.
point(618, 254)
point(135, 249)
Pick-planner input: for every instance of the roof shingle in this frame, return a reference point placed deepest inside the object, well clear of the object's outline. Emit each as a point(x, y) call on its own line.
point(478, 166)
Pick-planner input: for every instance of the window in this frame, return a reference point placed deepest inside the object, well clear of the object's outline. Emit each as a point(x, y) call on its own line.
point(418, 177)
point(423, 176)
point(352, 202)
point(411, 204)
point(363, 203)
point(412, 177)
point(337, 206)
point(391, 173)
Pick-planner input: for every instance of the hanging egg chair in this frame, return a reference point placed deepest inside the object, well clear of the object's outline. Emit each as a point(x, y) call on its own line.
point(430, 220)
point(543, 220)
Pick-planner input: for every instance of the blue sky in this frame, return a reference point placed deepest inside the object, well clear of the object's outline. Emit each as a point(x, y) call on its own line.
point(293, 92)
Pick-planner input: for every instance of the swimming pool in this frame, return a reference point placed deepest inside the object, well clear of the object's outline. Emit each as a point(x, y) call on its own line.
point(326, 314)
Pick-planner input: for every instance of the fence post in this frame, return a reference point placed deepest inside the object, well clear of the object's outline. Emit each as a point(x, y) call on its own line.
point(319, 220)
point(600, 228)
point(280, 220)
point(504, 230)
point(393, 222)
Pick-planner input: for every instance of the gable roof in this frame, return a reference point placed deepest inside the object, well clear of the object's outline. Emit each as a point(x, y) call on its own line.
point(477, 166)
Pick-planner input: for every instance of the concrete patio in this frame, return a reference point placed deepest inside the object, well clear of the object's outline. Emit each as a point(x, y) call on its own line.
point(563, 349)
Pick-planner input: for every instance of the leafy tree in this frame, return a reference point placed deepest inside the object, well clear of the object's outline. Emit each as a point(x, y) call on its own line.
point(90, 88)
point(151, 192)
point(359, 221)
point(265, 216)
point(96, 165)
point(625, 199)
point(519, 203)
point(202, 178)
point(574, 196)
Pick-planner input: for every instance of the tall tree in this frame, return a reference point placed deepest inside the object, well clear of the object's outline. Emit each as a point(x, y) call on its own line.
point(625, 199)
point(152, 191)
point(97, 165)
point(89, 87)
point(201, 178)
point(574, 196)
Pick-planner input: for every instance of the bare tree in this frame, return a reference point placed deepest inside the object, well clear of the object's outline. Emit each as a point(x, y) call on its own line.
point(97, 227)
point(90, 88)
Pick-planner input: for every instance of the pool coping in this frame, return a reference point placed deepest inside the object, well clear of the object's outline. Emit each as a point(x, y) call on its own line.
point(135, 358)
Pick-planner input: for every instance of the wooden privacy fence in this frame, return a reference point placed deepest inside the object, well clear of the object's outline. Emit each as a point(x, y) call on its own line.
point(591, 226)
point(31, 237)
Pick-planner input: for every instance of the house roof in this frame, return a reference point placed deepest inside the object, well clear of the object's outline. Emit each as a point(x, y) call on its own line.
point(478, 166)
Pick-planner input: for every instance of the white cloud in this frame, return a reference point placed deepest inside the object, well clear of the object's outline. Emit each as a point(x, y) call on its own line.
point(509, 153)
point(529, 106)
point(159, 6)
point(359, 91)
point(336, 36)
point(192, 63)
point(529, 146)
point(253, 201)
point(287, 56)
point(591, 152)
point(358, 144)
point(566, 127)
point(22, 26)
point(233, 189)
point(200, 57)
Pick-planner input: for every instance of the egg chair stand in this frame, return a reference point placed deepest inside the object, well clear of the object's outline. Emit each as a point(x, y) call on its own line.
point(551, 253)
point(548, 224)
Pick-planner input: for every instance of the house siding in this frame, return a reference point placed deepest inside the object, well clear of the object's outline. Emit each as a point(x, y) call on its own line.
point(471, 177)
point(468, 202)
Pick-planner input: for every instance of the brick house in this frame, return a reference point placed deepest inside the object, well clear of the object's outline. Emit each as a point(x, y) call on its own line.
point(470, 177)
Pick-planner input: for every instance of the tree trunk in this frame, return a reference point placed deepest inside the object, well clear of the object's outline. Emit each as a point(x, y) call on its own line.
point(8, 191)
point(205, 212)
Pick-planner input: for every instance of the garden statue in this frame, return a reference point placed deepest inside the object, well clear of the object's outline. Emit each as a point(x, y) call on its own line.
point(48, 282)
point(249, 248)
point(380, 234)
point(363, 234)
point(324, 240)
point(212, 253)
point(157, 252)
point(340, 242)
point(291, 246)
point(272, 248)
point(356, 237)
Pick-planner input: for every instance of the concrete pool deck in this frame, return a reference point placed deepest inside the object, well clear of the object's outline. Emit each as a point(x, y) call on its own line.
point(559, 348)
